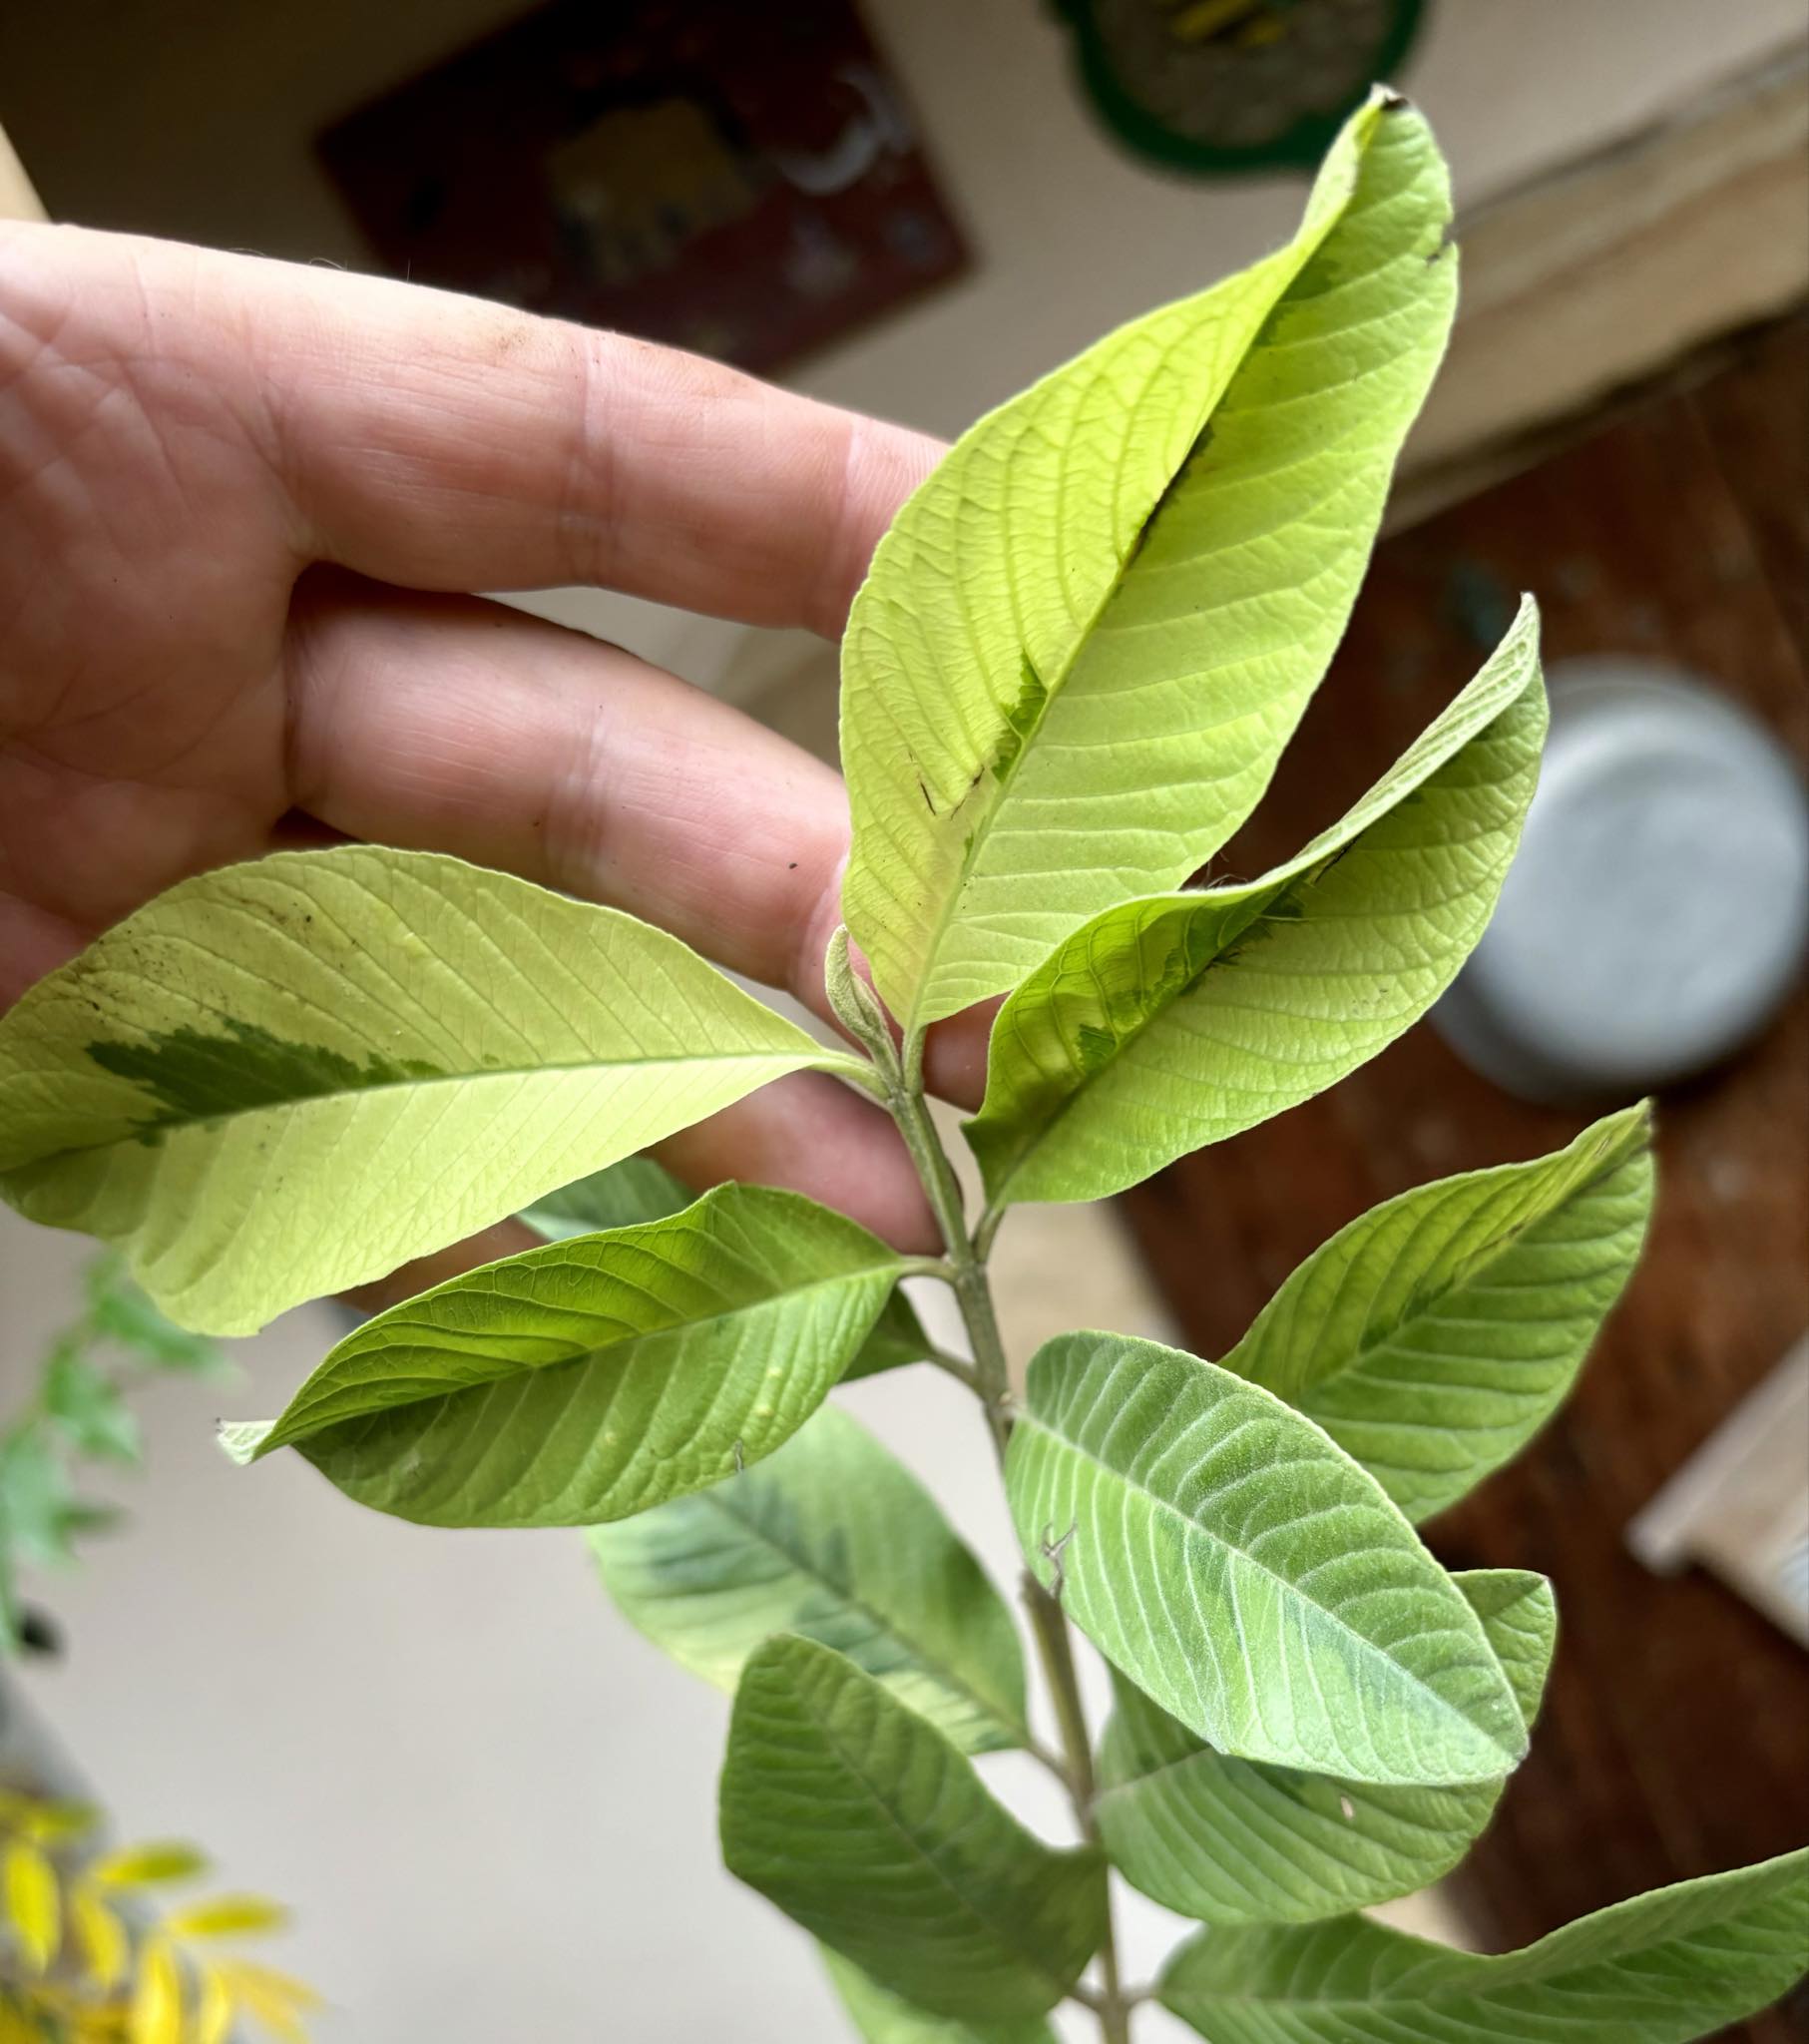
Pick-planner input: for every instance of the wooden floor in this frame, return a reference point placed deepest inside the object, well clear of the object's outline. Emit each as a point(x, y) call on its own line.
point(1675, 1735)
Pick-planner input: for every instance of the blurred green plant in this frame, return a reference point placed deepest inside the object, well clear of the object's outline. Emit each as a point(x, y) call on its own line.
point(90, 1954)
point(80, 1413)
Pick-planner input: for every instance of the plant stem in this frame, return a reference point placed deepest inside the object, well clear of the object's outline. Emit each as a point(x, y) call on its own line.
point(991, 1382)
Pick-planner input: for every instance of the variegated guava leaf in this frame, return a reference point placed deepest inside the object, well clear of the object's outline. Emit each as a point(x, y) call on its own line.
point(595, 1378)
point(835, 1540)
point(638, 1188)
point(286, 1077)
point(1240, 1841)
point(861, 1821)
point(1246, 1574)
point(1438, 1331)
point(1087, 637)
point(882, 2017)
point(1667, 1967)
point(1176, 1021)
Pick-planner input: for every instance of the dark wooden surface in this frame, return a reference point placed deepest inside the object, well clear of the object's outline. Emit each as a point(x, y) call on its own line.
point(1676, 1733)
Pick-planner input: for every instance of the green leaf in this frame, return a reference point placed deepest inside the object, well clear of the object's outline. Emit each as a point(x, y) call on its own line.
point(897, 1341)
point(88, 1409)
point(594, 1378)
point(1246, 1575)
point(1664, 1968)
point(1174, 1021)
point(1434, 1335)
point(635, 1190)
point(38, 1508)
point(864, 1825)
point(882, 2018)
point(33, 1899)
point(1238, 1841)
point(638, 1188)
point(136, 1866)
point(283, 1078)
point(834, 1540)
point(1087, 637)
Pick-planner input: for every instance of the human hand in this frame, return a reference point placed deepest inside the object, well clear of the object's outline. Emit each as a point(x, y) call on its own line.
point(241, 504)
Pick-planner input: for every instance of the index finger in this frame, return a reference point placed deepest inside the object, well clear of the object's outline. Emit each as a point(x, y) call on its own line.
point(446, 443)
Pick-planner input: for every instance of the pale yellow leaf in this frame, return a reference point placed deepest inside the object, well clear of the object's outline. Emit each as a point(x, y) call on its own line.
point(213, 2017)
point(34, 1903)
point(277, 2000)
point(226, 1917)
point(135, 1866)
point(157, 2000)
point(103, 1935)
point(50, 1822)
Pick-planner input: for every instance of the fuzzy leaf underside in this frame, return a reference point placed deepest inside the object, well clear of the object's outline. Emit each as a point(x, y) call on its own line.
point(638, 1188)
point(288, 1077)
point(861, 1821)
point(594, 1378)
point(1176, 1021)
point(1246, 1575)
point(1664, 1968)
point(1086, 639)
point(833, 1540)
point(1437, 1332)
point(1237, 1842)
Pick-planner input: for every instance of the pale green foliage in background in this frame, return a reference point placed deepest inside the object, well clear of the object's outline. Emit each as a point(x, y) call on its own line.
point(80, 1413)
point(1066, 682)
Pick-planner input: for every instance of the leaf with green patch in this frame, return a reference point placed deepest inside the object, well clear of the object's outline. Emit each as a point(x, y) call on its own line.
point(1246, 1574)
point(87, 1408)
point(1239, 1842)
point(283, 1078)
point(594, 1378)
point(1664, 1968)
point(861, 1821)
point(1087, 637)
point(882, 2017)
point(1434, 1335)
point(834, 1540)
point(1176, 1021)
point(638, 1188)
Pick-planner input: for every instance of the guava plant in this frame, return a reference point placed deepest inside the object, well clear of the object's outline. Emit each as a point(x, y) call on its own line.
point(1066, 680)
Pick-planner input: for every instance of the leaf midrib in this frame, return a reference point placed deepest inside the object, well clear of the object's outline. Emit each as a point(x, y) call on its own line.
point(1370, 1649)
point(825, 1061)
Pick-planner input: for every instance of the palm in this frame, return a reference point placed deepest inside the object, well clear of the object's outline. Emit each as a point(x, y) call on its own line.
point(239, 505)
